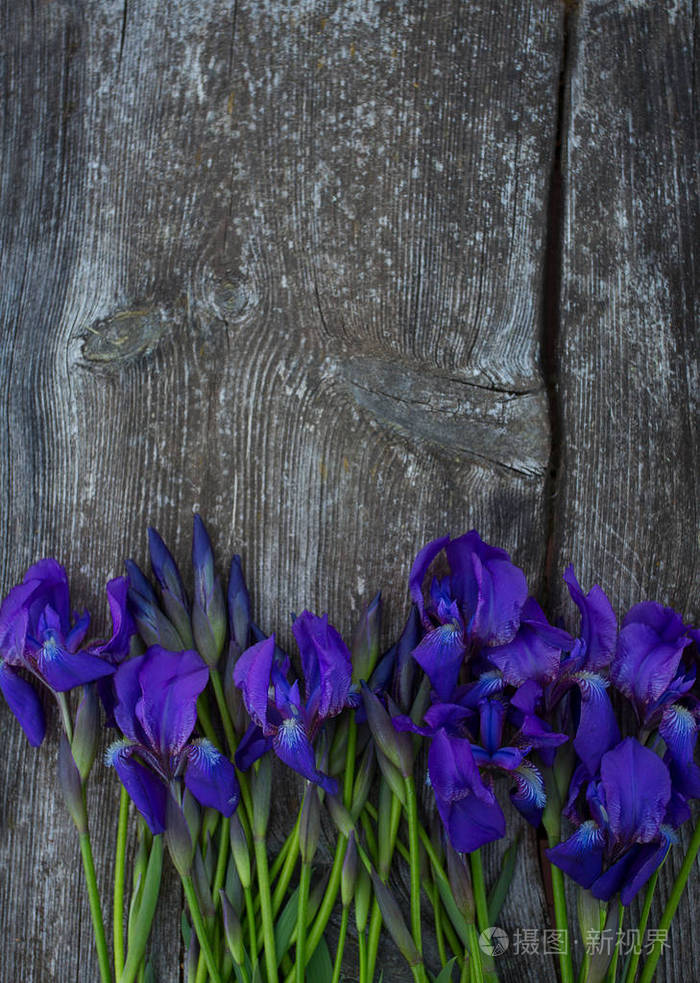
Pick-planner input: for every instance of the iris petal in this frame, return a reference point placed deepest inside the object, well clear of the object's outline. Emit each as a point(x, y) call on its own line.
point(211, 777)
point(679, 729)
point(170, 683)
point(292, 745)
point(419, 570)
point(252, 746)
point(24, 703)
point(470, 822)
point(491, 589)
point(598, 621)
point(63, 670)
point(597, 730)
point(637, 787)
point(440, 655)
point(252, 676)
point(147, 792)
point(581, 856)
point(325, 661)
point(529, 796)
point(453, 771)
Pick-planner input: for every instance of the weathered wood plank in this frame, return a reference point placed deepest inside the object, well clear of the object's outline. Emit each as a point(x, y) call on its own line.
point(281, 263)
point(626, 511)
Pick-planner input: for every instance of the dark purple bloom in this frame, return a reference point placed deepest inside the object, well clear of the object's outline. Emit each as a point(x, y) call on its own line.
point(157, 710)
point(628, 832)
point(478, 604)
point(648, 656)
point(468, 808)
point(208, 607)
point(238, 605)
point(535, 650)
point(652, 670)
point(40, 635)
point(281, 718)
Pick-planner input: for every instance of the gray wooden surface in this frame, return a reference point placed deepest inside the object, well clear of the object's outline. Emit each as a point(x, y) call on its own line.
point(342, 276)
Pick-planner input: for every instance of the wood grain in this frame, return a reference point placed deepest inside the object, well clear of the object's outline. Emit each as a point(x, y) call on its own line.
point(284, 263)
point(627, 507)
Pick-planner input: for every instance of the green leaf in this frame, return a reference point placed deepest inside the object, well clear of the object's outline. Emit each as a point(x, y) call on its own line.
point(285, 925)
point(319, 968)
point(501, 887)
point(445, 974)
point(454, 914)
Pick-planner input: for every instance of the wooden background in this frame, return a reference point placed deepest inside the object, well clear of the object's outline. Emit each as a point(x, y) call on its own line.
point(342, 276)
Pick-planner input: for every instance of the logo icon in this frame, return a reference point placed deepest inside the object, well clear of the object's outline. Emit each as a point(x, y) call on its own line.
point(493, 941)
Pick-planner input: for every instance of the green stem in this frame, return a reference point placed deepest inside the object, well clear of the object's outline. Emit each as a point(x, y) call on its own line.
point(414, 850)
point(268, 925)
point(250, 917)
point(362, 958)
point(290, 863)
point(565, 965)
point(300, 956)
point(375, 922)
point(612, 969)
point(479, 888)
point(643, 919)
point(350, 756)
point(215, 677)
point(95, 909)
point(200, 928)
point(671, 906)
point(439, 934)
point(62, 700)
point(341, 944)
point(119, 875)
point(282, 855)
point(474, 953)
point(138, 939)
point(328, 903)
point(204, 717)
point(222, 858)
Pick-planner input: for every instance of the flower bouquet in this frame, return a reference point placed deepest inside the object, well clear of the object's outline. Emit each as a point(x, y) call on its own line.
point(590, 731)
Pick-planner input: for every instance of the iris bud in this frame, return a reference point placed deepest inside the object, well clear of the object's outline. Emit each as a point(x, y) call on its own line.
point(71, 785)
point(309, 823)
point(365, 644)
point(340, 815)
point(348, 878)
point(406, 664)
point(232, 930)
point(177, 837)
point(363, 781)
point(239, 850)
point(201, 883)
point(394, 921)
point(234, 890)
point(392, 776)
point(460, 882)
point(173, 595)
point(262, 789)
point(238, 605)
point(396, 747)
point(86, 733)
point(209, 608)
point(192, 958)
point(363, 896)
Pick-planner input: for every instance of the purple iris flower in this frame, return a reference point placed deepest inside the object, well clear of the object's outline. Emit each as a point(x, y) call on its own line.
point(462, 770)
point(649, 669)
point(478, 604)
point(628, 833)
point(156, 710)
point(282, 720)
point(40, 635)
